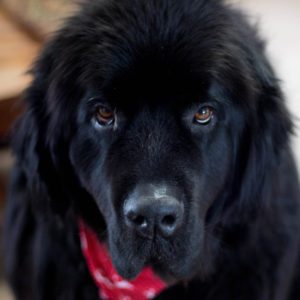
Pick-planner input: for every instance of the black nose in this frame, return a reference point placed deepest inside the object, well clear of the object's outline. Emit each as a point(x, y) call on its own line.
point(150, 213)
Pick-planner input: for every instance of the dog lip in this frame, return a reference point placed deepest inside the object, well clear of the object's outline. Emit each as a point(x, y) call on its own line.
point(128, 269)
point(129, 273)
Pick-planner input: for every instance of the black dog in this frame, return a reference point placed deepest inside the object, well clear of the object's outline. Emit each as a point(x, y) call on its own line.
point(161, 125)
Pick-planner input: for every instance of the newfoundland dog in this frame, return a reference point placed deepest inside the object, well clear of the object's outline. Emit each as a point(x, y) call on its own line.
point(153, 161)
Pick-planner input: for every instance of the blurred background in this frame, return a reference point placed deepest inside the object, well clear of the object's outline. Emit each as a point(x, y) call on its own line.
point(26, 24)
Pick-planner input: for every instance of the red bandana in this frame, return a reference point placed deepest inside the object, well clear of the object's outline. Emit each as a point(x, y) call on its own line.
point(111, 285)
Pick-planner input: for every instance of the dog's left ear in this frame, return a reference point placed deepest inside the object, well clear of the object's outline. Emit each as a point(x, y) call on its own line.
point(275, 121)
point(264, 141)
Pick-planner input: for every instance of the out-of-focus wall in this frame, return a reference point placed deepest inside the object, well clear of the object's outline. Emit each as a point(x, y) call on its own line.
point(43, 16)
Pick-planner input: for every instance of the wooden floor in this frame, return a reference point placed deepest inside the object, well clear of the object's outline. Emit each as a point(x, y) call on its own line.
point(17, 51)
point(16, 54)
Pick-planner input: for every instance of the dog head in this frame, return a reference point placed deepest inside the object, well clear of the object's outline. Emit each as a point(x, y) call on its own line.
point(160, 118)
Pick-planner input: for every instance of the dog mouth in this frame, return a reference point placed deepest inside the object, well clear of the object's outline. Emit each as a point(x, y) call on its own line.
point(168, 261)
point(162, 272)
point(130, 260)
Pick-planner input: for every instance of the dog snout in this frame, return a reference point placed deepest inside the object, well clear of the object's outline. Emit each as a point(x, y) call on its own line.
point(153, 213)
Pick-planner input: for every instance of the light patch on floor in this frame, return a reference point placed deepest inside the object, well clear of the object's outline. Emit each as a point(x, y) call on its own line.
point(5, 293)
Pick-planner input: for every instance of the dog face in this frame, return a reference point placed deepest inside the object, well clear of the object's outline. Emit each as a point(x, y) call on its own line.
point(154, 148)
point(154, 164)
point(160, 105)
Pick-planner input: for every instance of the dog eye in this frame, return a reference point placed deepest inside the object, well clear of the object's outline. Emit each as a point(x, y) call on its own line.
point(204, 115)
point(105, 116)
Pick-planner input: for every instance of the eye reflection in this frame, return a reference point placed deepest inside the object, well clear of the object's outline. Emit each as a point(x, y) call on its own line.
point(204, 115)
point(105, 116)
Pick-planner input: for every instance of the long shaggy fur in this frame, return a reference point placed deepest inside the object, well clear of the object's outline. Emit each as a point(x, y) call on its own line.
point(155, 62)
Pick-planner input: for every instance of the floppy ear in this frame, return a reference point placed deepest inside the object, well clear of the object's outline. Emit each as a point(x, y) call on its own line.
point(263, 143)
point(44, 132)
point(37, 142)
point(33, 159)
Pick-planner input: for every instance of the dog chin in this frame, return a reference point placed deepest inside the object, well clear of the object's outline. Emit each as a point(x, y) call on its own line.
point(128, 270)
point(131, 270)
point(170, 273)
point(128, 267)
point(130, 257)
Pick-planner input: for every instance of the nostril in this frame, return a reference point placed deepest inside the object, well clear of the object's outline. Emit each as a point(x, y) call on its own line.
point(139, 221)
point(168, 220)
point(135, 218)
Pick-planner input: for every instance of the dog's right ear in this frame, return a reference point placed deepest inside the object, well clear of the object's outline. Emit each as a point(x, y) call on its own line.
point(29, 142)
point(32, 159)
point(24, 144)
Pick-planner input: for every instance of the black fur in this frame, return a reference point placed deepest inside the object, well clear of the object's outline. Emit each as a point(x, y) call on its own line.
point(155, 62)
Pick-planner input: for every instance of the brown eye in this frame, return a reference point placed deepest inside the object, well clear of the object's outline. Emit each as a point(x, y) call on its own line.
point(204, 115)
point(105, 116)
